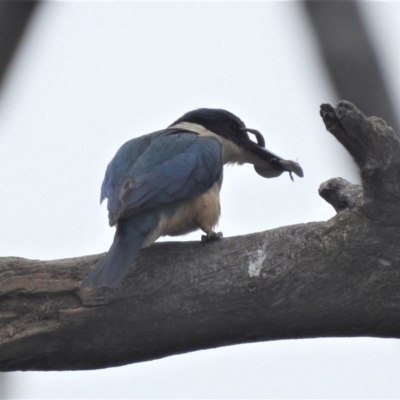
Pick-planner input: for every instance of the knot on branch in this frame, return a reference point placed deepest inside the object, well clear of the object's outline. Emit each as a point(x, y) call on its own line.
point(342, 195)
point(376, 150)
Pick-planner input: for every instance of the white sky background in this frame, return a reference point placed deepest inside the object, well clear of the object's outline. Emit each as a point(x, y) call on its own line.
point(91, 76)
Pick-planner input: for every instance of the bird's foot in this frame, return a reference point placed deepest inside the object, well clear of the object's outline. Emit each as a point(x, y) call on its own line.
point(211, 237)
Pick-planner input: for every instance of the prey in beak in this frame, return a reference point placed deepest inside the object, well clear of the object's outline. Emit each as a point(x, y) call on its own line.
point(273, 159)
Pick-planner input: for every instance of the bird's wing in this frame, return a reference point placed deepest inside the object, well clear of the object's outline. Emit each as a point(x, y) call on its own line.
point(158, 169)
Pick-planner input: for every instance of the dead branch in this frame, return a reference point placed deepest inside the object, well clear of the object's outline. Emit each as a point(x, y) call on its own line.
point(334, 278)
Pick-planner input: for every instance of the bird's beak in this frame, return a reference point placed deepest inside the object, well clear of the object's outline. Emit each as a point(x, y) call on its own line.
point(278, 163)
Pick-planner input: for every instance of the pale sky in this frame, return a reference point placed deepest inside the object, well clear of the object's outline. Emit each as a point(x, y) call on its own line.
point(92, 75)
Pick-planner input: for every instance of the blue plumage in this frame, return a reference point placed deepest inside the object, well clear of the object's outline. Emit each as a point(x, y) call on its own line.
point(162, 169)
point(168, 183)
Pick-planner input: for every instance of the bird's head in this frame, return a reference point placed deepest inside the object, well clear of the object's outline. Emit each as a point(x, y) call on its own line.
point(238, 146)
point(220, 122)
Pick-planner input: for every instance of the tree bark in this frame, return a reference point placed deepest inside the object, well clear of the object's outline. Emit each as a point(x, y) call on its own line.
point(335, 278)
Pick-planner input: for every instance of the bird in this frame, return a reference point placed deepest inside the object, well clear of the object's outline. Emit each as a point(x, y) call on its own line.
point(168, 183)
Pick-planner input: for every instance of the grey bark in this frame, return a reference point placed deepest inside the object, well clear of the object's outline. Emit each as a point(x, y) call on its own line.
point(335, 278)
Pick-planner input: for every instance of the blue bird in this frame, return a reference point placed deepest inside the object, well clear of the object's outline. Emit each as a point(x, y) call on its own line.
point(168, 183)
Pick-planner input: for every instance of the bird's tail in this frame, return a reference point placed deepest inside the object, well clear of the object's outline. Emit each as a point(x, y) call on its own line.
point(128, 240)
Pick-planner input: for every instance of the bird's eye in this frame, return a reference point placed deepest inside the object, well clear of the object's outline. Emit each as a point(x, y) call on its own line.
point(232, 124)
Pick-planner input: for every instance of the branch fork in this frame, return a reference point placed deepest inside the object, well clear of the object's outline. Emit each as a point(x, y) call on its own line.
point(375, 148)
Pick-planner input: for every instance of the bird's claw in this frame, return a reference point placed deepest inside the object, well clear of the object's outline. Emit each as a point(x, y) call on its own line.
point(210, 238)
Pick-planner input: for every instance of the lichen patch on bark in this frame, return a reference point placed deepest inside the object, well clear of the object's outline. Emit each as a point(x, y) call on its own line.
point(256, 259)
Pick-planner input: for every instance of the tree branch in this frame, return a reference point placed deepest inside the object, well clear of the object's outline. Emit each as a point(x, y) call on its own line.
point(350, 57)
point(334, 278)
point(14, 19)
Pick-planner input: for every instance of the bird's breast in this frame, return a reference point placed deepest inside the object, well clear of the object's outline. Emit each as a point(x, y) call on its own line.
point(189, 215)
